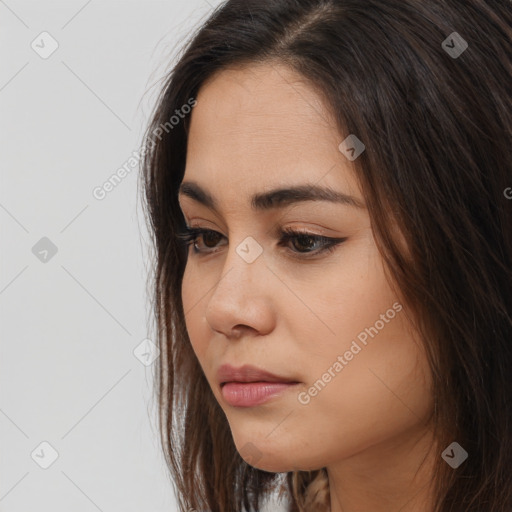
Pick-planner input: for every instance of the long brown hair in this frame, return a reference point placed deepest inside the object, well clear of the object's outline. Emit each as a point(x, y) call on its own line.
point(435, 116)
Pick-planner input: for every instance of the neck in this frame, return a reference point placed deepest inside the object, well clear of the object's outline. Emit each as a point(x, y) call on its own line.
point(387, 477)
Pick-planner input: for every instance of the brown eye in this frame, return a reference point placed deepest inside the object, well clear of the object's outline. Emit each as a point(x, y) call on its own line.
point(305, 243)
point(190, 236)
point(210, 237)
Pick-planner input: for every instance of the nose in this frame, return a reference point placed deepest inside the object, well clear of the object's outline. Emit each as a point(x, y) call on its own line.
point(242, 300)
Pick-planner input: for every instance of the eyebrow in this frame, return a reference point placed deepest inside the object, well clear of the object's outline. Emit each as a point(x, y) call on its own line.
point(275, 198)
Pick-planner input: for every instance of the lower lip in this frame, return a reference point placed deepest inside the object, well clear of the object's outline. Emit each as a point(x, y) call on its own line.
point(249, 394)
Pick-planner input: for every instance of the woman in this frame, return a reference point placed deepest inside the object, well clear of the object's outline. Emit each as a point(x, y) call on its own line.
point(325, 182)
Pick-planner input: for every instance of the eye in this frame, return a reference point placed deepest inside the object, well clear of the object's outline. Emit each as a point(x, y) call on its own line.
point(189, 236)
point(303, 241)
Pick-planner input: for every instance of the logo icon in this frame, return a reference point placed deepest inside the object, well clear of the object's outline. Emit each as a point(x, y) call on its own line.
point(44, 455)
point(146, 352)
point(44, 250)
point(250, 454)
point(351, 147)
point(454, 45)
point(249, 249)
point(44, 45)
point(454, 455)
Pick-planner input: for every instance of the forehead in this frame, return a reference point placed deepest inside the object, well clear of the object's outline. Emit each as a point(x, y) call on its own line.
point(260, 125)
point(257, 106)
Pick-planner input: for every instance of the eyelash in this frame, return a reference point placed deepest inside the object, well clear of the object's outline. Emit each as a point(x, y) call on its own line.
point(188, 236)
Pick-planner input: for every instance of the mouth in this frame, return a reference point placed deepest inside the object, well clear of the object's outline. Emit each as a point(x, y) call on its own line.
point(248, 386)
point(251, 394)
point(222, 384)
point(249, 374)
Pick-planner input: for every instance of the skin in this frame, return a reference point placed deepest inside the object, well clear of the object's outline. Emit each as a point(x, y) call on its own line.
point(257, 128)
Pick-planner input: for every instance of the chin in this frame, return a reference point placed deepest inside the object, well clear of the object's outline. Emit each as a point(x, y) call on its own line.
point(274, 464)
point(264, 455)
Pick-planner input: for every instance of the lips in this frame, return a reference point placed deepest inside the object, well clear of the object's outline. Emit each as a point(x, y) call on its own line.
point(248, 373)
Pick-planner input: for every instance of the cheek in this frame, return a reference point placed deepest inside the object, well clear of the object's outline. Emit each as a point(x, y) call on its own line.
point(383, 386)
point(345, 299)
point(379, 395)
point(192, 295)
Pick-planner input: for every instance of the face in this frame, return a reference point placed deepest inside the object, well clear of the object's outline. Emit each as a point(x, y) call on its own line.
point(314, 309)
